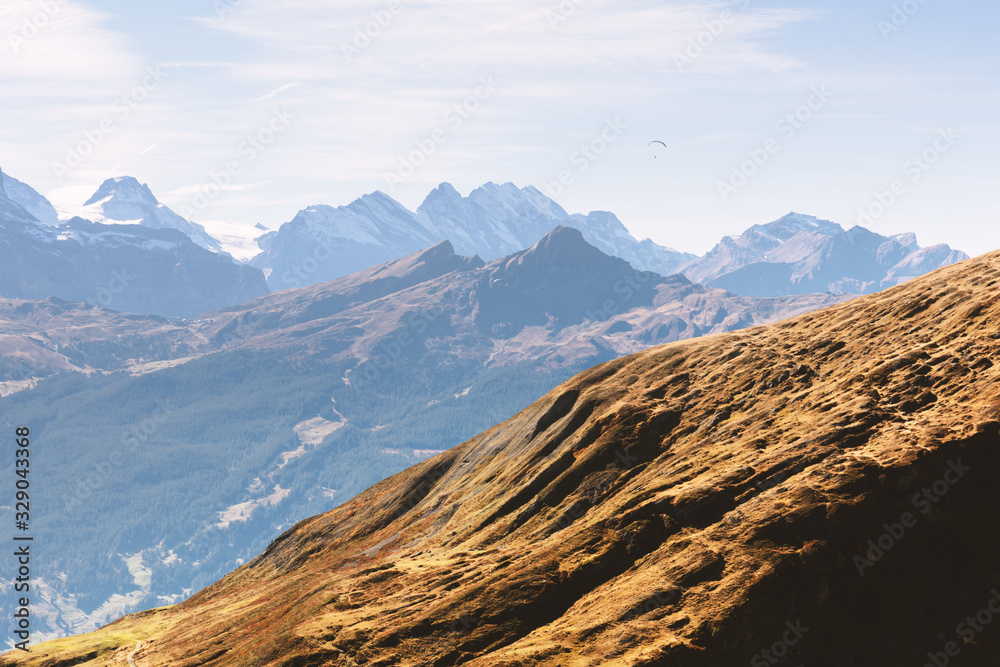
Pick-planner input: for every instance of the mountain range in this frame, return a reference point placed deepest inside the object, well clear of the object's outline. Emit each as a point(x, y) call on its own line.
point(323, 242)
point(127, 267)
point(815, 491)
point(240, 422)
point(29, 199)
point(796, 254)
point(124, 199)
point(284, 404)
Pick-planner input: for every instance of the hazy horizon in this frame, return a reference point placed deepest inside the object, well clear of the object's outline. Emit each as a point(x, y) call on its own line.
point(764, 108)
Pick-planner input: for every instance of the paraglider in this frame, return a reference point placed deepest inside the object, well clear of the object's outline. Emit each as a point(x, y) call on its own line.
point(495, 281)
point(657, 141)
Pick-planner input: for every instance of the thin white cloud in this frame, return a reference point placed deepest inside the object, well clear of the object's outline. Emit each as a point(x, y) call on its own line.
point(59, 49)
point(276, 91)
point(201, 63)
point(355, 118)
point(446, 37)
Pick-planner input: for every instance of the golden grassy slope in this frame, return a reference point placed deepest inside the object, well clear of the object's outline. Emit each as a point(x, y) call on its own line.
point(675, 507)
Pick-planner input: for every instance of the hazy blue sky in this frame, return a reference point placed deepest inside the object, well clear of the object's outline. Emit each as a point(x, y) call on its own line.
point(334, 113)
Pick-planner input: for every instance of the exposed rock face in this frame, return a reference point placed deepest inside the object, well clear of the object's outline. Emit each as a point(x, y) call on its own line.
point(497, 220)
point(124, 199)
point(322, 243)
point(562, 299)
point(801, 254)
point(560, 302)
point(821, 490)
point(28, 198)
point(121, 267)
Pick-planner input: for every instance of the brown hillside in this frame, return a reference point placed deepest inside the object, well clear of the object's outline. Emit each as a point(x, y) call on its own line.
point(695, 504)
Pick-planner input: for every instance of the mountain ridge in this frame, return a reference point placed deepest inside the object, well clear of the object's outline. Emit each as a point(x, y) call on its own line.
point(297, 400)
point(491, 222)
point(23, 194)
point(124, 199)
point(800, 253)
point(795, 254)
point(127, 267)
point(682, 506)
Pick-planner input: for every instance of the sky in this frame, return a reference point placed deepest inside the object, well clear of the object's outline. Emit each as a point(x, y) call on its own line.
point(876, 112)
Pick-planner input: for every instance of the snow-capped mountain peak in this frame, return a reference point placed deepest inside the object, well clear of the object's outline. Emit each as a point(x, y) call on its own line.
point(543, 203)
point(28, 198)
point(800, 253)
point(514, 200)
point(907, 239)
point(123, 190)
point(9, 207)
point(786, 227)
point(125, 200)
point(493, 221)
point(442, 194)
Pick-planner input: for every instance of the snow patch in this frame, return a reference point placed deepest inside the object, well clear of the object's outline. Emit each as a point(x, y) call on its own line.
point(53, 609)
point(313, 431)
point(141, 575)
point(237, 239)
point(242, 511)
point(426, 453)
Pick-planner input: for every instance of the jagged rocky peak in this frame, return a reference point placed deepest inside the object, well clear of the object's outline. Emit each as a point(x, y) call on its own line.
point(767, 236)
point(23, 195)
point(515, 200)
point(445, 192)
point(124, 198)
point(800, 254)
